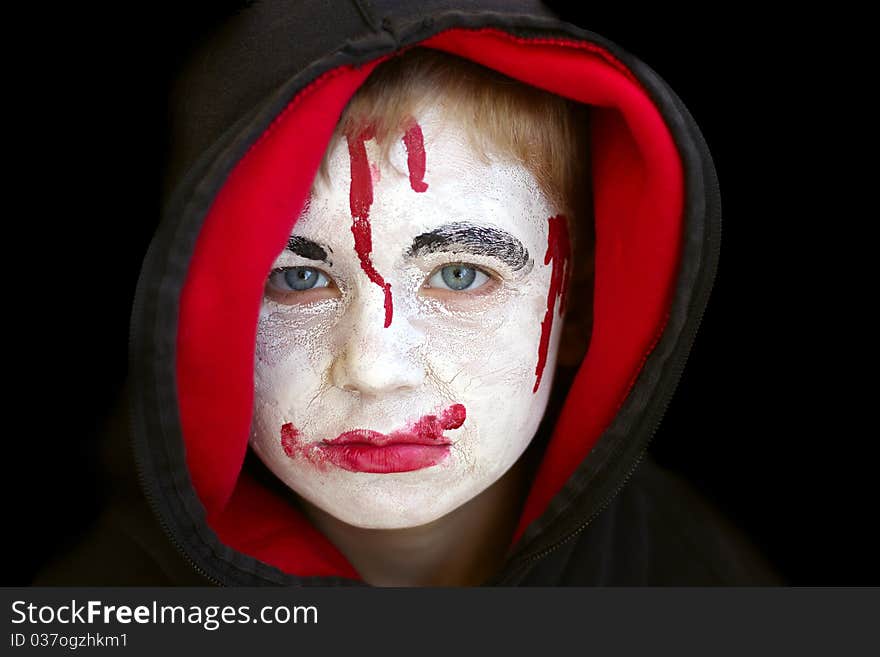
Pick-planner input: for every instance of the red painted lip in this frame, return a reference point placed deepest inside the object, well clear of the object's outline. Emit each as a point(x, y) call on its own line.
point(400, 457)
point(421, 446)
point(376, 439)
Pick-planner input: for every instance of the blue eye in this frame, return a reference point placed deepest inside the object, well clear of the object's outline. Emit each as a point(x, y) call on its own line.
point(298, 279)
point(457, 276)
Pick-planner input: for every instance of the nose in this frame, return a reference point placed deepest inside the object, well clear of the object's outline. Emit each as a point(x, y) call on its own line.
point(376, 360)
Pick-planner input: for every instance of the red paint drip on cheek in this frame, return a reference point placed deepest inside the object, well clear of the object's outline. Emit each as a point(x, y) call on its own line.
point(558, 253)
point(360, 200)
point(414, 141)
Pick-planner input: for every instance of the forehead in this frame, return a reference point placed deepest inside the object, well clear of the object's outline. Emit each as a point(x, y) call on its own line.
point(462, 185)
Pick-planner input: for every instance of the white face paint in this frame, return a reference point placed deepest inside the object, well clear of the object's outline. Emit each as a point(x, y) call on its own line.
point(326, 363)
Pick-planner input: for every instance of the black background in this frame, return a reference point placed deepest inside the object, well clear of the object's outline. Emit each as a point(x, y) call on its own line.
point(762, 420)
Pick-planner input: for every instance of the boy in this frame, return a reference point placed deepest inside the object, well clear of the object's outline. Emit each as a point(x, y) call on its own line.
point(389, 333)
point(415, 291)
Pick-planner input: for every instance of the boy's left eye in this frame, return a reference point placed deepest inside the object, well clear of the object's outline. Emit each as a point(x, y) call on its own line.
point(457, 277)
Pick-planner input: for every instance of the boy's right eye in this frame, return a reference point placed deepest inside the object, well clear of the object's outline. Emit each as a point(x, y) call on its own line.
point(293, 285)
point(299, 278)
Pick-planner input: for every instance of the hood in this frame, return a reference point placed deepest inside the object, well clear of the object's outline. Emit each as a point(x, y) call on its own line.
point(257, 108)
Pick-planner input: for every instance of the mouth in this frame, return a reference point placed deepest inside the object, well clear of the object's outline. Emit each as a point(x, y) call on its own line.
point(419, 446)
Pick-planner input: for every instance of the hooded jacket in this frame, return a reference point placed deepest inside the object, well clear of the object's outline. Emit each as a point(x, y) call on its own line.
point(255, 111)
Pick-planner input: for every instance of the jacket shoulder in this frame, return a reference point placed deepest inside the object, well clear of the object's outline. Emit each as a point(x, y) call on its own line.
point(125, 547)
point(658, 531)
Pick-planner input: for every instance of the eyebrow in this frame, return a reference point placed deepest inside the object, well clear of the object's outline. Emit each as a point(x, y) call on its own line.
point(307, 248)
point(463, 237)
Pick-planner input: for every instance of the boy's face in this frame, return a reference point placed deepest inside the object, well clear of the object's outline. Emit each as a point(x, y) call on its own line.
point(399, 336)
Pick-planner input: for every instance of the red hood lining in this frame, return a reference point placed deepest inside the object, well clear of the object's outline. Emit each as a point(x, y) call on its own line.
point(638, 192)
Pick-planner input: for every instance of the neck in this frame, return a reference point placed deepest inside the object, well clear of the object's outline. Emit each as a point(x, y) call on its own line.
point(463, 548)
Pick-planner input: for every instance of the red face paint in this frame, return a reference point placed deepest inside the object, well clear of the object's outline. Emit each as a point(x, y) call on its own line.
point(414, 141)
point(559, 253)
point(288, 439)
point(360, 199)
point(420, 445)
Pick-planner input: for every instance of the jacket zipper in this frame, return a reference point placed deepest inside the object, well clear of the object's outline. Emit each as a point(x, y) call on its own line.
point(139, 466)
point(174, 542)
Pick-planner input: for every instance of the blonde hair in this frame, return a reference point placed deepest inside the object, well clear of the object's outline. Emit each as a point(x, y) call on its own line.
point(504, 117)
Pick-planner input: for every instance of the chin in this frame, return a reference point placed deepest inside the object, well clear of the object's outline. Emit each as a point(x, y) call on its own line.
point(389, 513)
point(391, 522)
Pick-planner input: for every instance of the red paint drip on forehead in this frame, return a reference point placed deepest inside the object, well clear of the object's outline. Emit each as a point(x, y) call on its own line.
point(360, 199)
point(558, 253)
point(414, 141)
